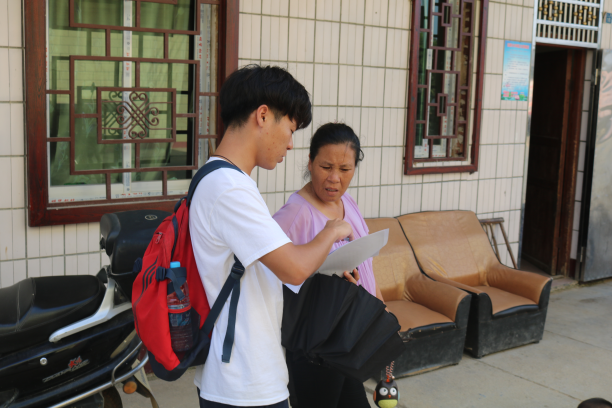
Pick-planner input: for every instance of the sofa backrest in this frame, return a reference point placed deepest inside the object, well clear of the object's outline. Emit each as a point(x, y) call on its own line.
point(450, 243)
point(395, 263)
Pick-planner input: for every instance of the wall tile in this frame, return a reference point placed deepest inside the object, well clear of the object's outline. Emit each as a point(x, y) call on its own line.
point(14, 22)
point(513, 225)
point(72, 265)
point(70, 238)
point(350, 117)
point(507, 126)
point(328, 10)
point(375, 41)
point(492, 90)
point(399, 14)
point(353, 11)
point(17, 129)
point(576, 220)
point(321, 116)
point(369, 198)
point(16, 74)
point(390, 200)
point(450, 195)
point(376, 12)
point(411, 198)
point(505, 161)
point(520, 130)
point(574, 247)
point(503, 191)
point(304, 73)
point(397, 48)
point(300, 8)
point(373, 87)
point(19, 270)
point(19, 234)
point(579, 179)
point(57, 266)
point(326, 85)
point(327, 42)
point(18, 182)
point(82, 264)
point(494, 56)
point(57, 240)
point(351, 44)
point(82, 234)
point(514, 19)
point(5, 90)
point(4, 23)
point(46, 241)
point(349, 87)
point(301, 40)
point(392, 165)
point(6, 274)
point(33, 268)
point(527, 26)
point(371, 133)
point(274, 38)
point(394, 127)
point(5, 129)
point(488, 159)
point(369, 169)
point(33, 241)
point(486, 196)
point(250, 6)
point(395, 88)
point(489, 133)
point(581, 156)
point(497, 14)
point(431, 199)
point(6, 238)
point(94, 263)
point(297, 163)
point(519, 160)
point(516, 196)
point(5, 182)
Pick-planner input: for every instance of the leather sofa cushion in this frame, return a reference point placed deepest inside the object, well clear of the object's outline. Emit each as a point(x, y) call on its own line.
point(411, 315)
point(502, 300)
point(395, 263)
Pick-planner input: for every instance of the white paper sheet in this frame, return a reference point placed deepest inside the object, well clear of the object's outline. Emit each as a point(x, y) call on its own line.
point(351, 255)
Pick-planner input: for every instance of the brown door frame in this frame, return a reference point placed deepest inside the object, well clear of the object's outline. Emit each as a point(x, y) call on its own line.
point(565, 266)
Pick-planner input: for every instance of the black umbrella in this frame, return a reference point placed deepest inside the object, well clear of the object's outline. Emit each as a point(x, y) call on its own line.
point(340, 325)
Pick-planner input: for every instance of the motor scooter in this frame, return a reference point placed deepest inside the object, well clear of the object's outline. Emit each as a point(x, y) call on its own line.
point(68, 341)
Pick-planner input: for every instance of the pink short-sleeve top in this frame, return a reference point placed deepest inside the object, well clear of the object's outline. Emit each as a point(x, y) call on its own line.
point(301, 221)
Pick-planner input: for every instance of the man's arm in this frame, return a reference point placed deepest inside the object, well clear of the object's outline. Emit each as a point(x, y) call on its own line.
point(293, 264)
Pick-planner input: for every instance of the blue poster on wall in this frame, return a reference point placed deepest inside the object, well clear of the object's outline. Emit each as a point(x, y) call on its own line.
point(515, 79)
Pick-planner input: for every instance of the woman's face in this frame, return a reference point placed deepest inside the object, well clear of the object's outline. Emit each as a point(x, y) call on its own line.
point(332, 171)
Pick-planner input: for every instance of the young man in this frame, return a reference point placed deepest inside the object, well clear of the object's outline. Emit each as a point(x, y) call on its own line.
point(260, 108)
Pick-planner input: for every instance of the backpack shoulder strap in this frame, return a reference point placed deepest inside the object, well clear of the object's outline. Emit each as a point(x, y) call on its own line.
point(203, 172)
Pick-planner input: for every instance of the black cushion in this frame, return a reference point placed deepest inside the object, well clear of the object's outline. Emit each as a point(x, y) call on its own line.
point(428, 330)
point(126, 236)
point(31, 310)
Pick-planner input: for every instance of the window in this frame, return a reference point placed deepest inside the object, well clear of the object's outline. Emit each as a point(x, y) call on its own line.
point(128, 96)
point(445, 90)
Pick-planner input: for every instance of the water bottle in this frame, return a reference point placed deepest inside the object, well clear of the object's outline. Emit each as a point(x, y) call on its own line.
point(179, 316)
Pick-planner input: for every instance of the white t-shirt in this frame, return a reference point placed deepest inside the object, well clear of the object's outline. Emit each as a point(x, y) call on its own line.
point(228, 216)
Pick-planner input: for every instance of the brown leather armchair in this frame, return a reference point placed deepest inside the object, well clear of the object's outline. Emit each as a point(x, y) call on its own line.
point(433, 316)
point(508, 306)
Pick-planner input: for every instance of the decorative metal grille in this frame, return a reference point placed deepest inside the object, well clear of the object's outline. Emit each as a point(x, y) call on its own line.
point(134, 122)
point(569, 22)
point(444, 79)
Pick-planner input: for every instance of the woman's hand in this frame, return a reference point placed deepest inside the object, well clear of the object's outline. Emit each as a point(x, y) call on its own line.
point(354, 278)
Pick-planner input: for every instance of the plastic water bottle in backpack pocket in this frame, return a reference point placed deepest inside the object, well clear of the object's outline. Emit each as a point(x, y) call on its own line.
point(179, 315)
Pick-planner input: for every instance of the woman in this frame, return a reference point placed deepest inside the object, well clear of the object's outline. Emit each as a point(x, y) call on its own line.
point(334, 154)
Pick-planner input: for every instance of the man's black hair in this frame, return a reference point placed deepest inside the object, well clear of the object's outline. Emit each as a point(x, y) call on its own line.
point(595, 403)
point(248, 88)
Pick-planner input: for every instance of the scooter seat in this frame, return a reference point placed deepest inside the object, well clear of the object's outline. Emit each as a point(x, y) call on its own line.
point(32, 309)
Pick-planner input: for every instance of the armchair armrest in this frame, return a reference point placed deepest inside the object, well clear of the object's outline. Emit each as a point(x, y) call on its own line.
point(526, 284)
point(436, 296)
point(446, 281)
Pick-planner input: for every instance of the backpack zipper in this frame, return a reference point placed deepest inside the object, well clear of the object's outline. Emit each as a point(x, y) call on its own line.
point(159, 237)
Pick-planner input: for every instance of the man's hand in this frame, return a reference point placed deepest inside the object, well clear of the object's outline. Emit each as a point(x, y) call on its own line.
point(352, 278)
point(341, 229)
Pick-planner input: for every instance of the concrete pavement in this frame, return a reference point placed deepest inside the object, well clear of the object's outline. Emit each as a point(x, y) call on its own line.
point(572, 363)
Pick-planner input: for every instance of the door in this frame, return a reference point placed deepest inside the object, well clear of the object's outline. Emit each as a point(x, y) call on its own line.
point(549, 123)
point(596, 220)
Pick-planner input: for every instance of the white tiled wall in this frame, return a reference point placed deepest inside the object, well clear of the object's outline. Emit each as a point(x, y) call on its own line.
point(352, 56)
point(25, 251)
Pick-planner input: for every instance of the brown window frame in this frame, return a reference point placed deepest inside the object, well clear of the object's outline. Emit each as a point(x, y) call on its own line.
point(409, 159)
point(41, 212)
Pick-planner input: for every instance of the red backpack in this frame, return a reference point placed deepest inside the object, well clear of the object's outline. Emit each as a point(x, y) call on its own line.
point(172, 242)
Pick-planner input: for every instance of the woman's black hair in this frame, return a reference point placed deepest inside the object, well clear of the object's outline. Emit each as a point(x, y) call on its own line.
point(334, 134)
point(251, 86)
